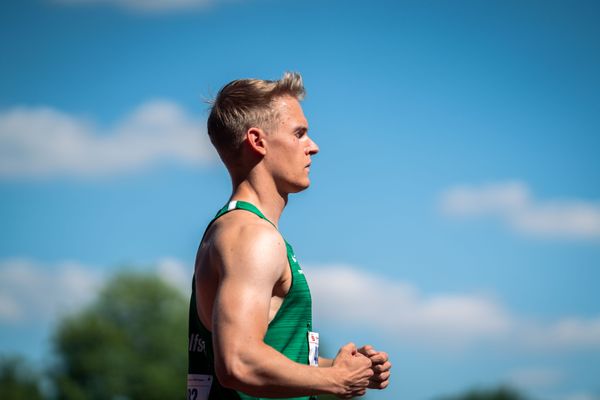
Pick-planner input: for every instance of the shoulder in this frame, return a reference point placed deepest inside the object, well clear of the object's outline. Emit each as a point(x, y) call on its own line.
point(243, 241)
point(240, 229)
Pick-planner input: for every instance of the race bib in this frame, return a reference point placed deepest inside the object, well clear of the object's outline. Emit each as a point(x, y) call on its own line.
point(313, 349)
point(198, 386)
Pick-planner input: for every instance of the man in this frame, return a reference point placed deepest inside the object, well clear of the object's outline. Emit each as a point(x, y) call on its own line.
point(250, 311)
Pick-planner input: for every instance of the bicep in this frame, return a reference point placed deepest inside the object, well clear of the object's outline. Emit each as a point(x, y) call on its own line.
point(242, 302)
point(241, 307)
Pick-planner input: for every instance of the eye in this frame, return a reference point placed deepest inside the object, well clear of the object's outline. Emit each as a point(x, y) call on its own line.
point(300, 133)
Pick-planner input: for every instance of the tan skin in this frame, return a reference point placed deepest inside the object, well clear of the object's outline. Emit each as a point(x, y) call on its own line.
point(241, 287)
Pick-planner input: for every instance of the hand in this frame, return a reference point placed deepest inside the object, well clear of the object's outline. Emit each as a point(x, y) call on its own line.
point(354, 371)
point(380, 365)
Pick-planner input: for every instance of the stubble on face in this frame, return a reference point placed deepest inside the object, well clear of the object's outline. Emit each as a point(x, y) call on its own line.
point(289, 154)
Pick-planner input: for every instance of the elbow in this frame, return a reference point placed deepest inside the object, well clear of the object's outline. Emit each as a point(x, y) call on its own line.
point(228, 376)
point(233, 374)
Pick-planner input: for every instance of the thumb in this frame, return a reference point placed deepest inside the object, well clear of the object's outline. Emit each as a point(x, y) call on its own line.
point(348, 348)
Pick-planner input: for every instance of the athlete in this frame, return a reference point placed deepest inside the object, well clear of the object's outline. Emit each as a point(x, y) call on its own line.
point(250, 327)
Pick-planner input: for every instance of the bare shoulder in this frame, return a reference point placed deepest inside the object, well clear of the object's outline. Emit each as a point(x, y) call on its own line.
point(244, 243)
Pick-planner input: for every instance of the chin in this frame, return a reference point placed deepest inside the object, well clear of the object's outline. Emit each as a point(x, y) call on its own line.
point(295, 188)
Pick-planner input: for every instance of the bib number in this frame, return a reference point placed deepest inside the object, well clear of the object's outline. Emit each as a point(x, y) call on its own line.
point(313, 349)
point(198, 386)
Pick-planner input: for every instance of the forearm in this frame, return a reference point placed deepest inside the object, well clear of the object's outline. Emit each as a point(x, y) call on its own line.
point(264, 372)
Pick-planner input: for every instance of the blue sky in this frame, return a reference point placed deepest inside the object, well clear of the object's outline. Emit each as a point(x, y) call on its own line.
point(456, 193)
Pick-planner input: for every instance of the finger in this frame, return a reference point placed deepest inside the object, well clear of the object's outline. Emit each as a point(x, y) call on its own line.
point(380, 377)
point(379, 357)
point(383, 385)
point(360, 385)
point(382, 367)
point(367, 374)
point(379, 385)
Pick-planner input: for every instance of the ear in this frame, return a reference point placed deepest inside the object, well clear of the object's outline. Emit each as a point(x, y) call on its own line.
point(256, 140)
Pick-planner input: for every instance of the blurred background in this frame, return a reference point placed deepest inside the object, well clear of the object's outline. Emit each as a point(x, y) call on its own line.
point(453, 218)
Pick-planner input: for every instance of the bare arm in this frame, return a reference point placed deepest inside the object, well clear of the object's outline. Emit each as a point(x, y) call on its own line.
point(249, 272)
point(325, 362)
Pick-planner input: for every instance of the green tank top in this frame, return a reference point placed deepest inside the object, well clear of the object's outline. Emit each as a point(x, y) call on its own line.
point(286, 333)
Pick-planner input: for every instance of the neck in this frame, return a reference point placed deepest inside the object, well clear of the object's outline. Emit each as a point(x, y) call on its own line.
point(262, 193)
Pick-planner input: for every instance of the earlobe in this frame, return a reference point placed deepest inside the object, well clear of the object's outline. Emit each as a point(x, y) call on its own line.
point(255, 137)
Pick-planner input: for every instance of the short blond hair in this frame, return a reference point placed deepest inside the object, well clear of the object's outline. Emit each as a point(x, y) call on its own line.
point(246, 103)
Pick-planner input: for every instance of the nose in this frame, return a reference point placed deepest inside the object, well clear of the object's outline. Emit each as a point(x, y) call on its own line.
point(312, 147)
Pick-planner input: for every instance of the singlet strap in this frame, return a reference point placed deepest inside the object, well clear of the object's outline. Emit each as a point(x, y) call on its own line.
point(242, 205)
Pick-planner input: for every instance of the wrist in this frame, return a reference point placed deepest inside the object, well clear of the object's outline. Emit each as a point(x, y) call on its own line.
point(333, 381)
point(325, 362)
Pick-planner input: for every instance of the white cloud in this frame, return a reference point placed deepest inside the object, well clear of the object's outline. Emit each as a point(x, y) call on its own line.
point(344, 295)
point(148, 6)
point(566, 333)
point(495, 198)
point(535, 377)
point(46, 142)
point(9, 308)
point(35, 292)
point(176, 273)
point(513, 204)
point(347, 295)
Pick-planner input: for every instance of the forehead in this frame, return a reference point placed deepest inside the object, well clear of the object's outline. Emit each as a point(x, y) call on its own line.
point(289, 111)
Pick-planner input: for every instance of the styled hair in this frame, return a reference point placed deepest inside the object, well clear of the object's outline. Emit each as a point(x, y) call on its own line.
point(246, 103)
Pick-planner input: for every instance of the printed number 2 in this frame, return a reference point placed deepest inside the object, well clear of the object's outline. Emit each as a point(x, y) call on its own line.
point(192, 394)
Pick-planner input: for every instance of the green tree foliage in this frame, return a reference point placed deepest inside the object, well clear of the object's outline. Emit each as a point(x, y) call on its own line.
point(130, 344)
point(502, 393)
point(18, 381)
